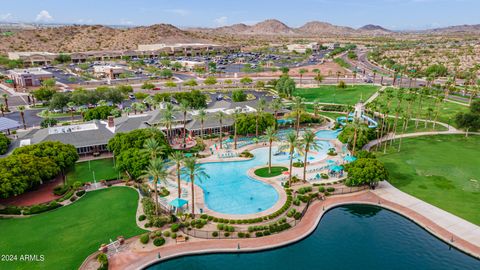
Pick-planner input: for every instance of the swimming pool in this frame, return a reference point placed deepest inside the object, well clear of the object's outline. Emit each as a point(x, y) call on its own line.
point(328, 134)
point(347, 237)
point(229, 190)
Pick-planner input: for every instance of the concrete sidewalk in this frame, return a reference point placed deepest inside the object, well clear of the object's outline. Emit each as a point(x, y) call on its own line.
point(457, 226)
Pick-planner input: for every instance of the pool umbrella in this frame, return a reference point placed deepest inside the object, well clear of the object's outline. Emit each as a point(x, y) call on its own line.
point(178, 202)
point(286, 173)
point(336, 168)
point(350, 159)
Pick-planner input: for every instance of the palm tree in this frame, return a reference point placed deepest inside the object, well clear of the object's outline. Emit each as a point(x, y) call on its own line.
point(291, 144)
point(184, 107)
point(220, 116)
point(270, 136)
point(127, 110)
point(153, 148)
point(260, 108)
point(358, 127)
point(301, 72)
point(202, 116)
point(2, 109)
point(298, 106)
point(177, 157)
point(5, 100)
point(316, 107)
point(309, 142)
point(156, 170)
point(83, 110)
point(318, 77)
point(193, 170)
point(21, 109)
point(374, 75)
point(70, 106)
point(276, 106)
point(168, 117)
point(235, 115)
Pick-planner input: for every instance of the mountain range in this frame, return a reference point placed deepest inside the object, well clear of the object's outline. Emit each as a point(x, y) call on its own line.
point(69, 38)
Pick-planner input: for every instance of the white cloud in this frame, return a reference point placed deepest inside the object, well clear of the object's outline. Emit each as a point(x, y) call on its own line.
point(221, 21)
point(178, 11)
point(44, 16)
point(5, 17)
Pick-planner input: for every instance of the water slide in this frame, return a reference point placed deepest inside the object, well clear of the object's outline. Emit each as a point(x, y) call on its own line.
point(371, 123)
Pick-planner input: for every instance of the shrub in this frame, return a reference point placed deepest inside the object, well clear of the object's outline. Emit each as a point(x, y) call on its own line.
point(159, 241)
point(297, 215)
point(259, 234)
point(144, 238)
point(330, 189)
point(73, 198)
point(226, 234)
point(80, 193)
point(102, 258)
point(175, 227)
point(142, 218)
point(204, 216)
point(220, 226)
point(10, 210)
point(60, 190)
point(166, 234)
point(174, 235)
point(215, 234)
point(241, 235)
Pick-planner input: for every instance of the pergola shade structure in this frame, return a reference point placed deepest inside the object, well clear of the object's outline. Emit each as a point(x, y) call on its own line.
point(8, 124)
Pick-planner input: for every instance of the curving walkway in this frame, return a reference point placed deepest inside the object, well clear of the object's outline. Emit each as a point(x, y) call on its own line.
point(391, 136)
point(452, 230)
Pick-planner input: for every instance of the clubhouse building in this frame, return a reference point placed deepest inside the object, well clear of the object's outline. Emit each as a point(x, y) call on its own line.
point(92, 137)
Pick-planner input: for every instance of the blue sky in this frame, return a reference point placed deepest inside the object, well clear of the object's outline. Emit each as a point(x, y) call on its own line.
point(393, 14)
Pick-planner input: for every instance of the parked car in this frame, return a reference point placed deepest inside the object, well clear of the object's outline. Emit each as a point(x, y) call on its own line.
point(156, 88)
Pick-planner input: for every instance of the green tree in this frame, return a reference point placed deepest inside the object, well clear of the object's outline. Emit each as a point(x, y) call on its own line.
point(246, 80)
point(99, 112)
point(177, 158)
point(157, 171)
point(59, 101)
point(220, 115)
point(298, 106)
point(262, 103)
point(193, 171)
point(308, 143)
point(276, 106)
point(21, 109)
point(302, 71)
point(4, 143)
point(291, 144)
point(43, 93)
point(270, 136)
point(210, 81)
point(201, 116)
point(285, 85)
point(239, 96)
point(365, 171)
point(191, 83)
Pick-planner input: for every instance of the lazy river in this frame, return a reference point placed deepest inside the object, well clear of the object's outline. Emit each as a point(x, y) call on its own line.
point(347, 237)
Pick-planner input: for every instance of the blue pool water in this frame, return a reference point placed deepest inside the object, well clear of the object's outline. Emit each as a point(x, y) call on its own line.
point(230, 190)
point(328, 134)
point(347, 237)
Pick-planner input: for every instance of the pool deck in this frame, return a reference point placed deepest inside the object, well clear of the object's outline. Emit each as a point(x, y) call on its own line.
point(453, 230)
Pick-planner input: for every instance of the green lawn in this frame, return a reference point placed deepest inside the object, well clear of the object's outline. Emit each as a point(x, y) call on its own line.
point(83, 171)
point(66, 236)
point(276, 171)
point(332, 94)
point(447, 111)
point(442, 170)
